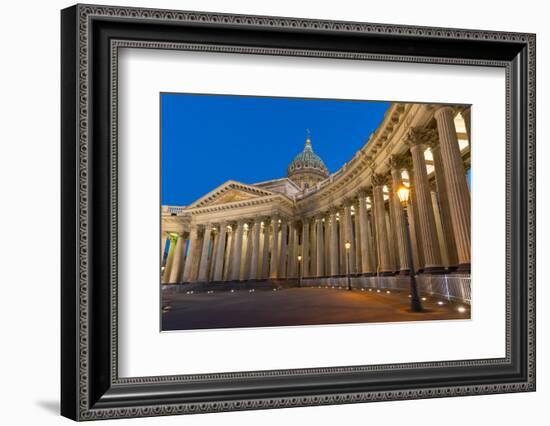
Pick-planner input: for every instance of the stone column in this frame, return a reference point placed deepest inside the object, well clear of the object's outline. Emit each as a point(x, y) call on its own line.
point(177, 263)
point(457, 185)
point(357, 239)
point(255, 250)
point(333, 242)
point(313, 248)
point(197, 256)
point(237, 251)
point(220, 250)
point(444, 206)
point(439, 228)
point(320, 247)
point(291, 273)
point(416, 240)
point(164, 239)
point(247, 252)
point(305, 247)
point(283, 249)
point(203, 268)
point(274, 273)
point(396, 164)
point(191, 259)
point(367, 266)
point(265, 250)
point(371, 229)
point(326, 252)
point(213, 251)
point(169, 260)
point(228, 254)
point(384, 256)
point(417, 139)
point(391, 232)
point(466, 116)
point(348, 235)
point(341, 241)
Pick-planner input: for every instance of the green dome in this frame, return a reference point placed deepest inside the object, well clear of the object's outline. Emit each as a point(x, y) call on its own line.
point(307, 161)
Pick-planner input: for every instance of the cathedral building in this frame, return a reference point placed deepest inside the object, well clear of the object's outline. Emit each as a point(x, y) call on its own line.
point(297, 226)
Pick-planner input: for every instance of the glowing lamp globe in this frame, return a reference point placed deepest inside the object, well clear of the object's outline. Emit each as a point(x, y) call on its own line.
point(403, 193)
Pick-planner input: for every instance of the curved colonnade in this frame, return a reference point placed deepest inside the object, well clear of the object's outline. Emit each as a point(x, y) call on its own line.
point(242, 232)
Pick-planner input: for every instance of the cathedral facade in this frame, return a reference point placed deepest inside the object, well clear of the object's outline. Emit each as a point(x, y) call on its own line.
point(297, 226)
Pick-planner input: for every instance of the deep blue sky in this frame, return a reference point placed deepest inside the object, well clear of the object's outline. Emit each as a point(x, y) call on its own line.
point(209, 139)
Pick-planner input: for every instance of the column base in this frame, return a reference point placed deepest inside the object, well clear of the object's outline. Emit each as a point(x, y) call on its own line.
point(405, 272)
point(434, 270)
point(385, 273)
point(464, 268)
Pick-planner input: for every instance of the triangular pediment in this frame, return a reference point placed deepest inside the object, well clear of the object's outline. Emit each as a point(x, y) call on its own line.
point(231, 196)
point(231, 192)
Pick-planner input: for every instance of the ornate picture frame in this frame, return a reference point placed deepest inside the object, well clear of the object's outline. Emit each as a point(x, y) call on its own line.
point(90, 38)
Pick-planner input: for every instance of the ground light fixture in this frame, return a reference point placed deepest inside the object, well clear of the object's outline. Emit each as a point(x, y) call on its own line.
point(404, 193)
point(299, 270)
point(347, 245)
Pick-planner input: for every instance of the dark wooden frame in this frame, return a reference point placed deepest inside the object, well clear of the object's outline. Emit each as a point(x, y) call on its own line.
point(90, 386)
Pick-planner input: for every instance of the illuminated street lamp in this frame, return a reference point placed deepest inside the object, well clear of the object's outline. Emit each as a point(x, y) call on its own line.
point(300, 270)
point(404, 193)
point(347, 245)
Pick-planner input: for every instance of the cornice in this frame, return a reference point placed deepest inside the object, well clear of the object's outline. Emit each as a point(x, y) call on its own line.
point(275, 198)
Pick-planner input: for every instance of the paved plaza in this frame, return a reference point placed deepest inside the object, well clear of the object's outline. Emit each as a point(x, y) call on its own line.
point(297, 306)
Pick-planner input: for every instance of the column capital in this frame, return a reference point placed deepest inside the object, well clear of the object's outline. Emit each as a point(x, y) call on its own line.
point(285, 219)
point(362, 193)
point(389, 181)
point(348, 201)
point(237, 225)
point(397, 162)
point(260, 219)
point(418, 136)
point(320, 216)
point(408, 166)
point(446, 109)
point(378, 180)
point(433, 143)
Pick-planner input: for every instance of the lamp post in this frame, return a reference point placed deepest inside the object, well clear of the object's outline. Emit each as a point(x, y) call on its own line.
point(404, 193)
point(300, 270)
point(348, 246)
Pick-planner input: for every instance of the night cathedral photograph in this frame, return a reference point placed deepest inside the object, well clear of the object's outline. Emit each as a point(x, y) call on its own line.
point(282, 211)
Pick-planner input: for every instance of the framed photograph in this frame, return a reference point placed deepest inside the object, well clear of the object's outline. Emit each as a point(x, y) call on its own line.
point(263, 212)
